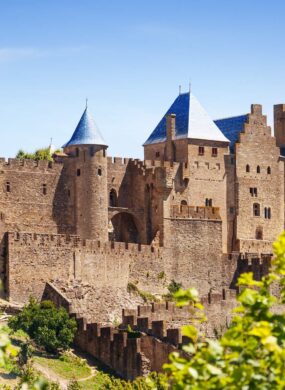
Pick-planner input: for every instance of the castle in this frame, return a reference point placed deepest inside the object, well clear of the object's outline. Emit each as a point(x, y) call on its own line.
point(204, 205)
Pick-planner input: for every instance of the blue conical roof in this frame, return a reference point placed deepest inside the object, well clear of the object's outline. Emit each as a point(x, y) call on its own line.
point(86, 132)
point(192, 121)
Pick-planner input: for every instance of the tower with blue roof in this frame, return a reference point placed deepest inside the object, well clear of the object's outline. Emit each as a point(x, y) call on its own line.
point(87, 178)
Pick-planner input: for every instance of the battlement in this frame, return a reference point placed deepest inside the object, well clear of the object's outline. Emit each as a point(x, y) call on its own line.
point(119, 160)
point(206, 165)
point(73, 241)
point(27, 164)
point(192, 212)
point(112, 347)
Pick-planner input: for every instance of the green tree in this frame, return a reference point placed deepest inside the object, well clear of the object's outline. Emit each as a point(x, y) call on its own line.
point(49, 327)
point(251, 353)
point(39, 154)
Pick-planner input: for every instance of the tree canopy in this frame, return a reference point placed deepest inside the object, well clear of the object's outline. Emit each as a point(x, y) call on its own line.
point(50, 327)
point(39, 154)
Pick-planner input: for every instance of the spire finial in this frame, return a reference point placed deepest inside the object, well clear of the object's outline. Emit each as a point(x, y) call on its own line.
point(179, 89)
point(86, 105)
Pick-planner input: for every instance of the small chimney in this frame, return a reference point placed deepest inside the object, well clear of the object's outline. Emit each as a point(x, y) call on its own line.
point(170, 135)
point(170, 126)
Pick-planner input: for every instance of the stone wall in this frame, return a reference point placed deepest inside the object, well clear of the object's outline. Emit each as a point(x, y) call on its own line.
point(96, 275)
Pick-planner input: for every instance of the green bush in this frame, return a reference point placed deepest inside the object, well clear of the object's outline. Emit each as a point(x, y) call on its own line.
point(173, 287)
point(49, 327)
point(39, 154)
point(146, 296)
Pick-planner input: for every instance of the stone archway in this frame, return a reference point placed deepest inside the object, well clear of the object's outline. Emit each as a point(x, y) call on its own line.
point(124, 228)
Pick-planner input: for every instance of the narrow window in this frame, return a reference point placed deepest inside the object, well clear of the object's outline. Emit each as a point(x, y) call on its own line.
point(157, 154)
point(259, 233)
point(78, 173)
point(8, 186)
point(113, 199)
point(99, 172)
point(253, 191)
point(208, 202)
point(224, 294)
point(268, 170)
point(68, 193)
point(269, 212)
point(247, 168)
point(44, 189)
point(258, 169)
point(256, 209)
point(232, 210)
point(201, 151)
point(265, 213)
point(214, 152)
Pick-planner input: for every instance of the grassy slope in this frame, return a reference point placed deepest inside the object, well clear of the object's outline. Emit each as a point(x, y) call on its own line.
point(65, 369)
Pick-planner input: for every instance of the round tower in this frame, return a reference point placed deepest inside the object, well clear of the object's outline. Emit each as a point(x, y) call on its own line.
point(87, 179)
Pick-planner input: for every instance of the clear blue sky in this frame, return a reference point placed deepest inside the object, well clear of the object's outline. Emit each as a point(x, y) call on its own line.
point(128, 58)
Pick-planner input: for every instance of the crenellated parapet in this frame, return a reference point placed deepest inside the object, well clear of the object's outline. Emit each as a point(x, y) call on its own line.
point(129, 353)
point(74, 241)
point(29, 165)
point(192, 212)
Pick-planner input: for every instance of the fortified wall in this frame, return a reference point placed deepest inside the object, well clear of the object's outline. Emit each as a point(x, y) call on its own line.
point(155, 332)
point(105, 270)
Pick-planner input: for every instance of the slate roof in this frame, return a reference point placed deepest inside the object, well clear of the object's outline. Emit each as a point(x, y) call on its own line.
point(86, 132)
point(192, 121)
point(231, 127)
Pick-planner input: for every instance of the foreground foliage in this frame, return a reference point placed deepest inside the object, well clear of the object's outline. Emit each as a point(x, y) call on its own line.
point(49, 327)
point(251, 353)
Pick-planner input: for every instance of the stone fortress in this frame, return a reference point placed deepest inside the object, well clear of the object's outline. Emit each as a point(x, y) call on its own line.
point(93, 232)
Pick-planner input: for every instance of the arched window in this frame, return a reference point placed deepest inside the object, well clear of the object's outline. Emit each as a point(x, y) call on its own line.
point(183, 203)
point(256, 209)
point(259, 233)
point(247, 168)
point(113, 199)
point(265, 212)
point(99, 172)
point(44, 189)
point(8, 186)
point(268, 170)
point(258, 169)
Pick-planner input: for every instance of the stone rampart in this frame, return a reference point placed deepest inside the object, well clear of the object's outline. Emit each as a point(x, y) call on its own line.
point(27, 164)
point(200, 212)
